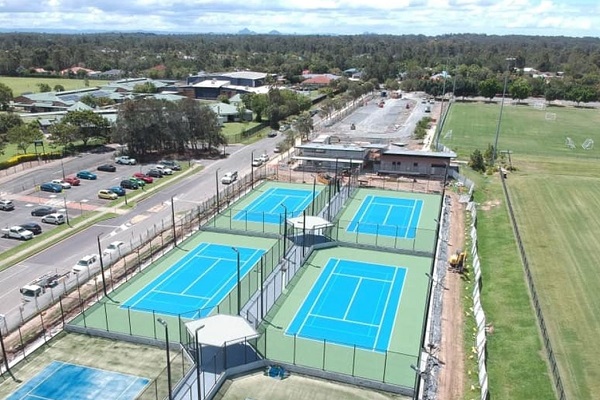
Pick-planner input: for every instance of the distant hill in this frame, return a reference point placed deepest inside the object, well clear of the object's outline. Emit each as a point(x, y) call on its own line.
point(246, 31)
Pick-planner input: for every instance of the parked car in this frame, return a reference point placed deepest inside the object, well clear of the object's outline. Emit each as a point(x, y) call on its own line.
point(140, 182)
point(155, 173)
point(17, 232)
point(86, 263)
point(43, 210)
point(51, 187)
point(107, 194)
point(118, 190)
point(33, 227)
point(171, 164)
point(6, 205)
point(54, 218)
point(229, 177)
point(125, 160)
point(86, 175)
point(113, 249)
point(165, 170)
point(144, 177)
point(272, 133)
point(277, 149)
point(107, 168)
point(264, 157)
point(73, 180)
point(127, 184)
point(257, 162)
point(64, 184)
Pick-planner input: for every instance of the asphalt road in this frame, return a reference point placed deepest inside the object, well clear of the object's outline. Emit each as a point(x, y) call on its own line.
point(187, 194)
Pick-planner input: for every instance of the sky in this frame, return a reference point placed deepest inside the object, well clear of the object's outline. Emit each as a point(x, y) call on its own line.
point(345, 17)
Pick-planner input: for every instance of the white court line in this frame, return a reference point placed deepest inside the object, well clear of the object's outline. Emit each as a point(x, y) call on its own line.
point(125, 390)
point(364, 277)
point(198, 278)
point(354, 218)
point(177, 294)
point(343, 320)
point(412, 214)
point(61, 366)
point(387, 302)
point(310, 312)
point(352, 298)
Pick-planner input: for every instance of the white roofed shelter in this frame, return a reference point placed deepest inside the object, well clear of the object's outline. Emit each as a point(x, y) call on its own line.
point(220, 330)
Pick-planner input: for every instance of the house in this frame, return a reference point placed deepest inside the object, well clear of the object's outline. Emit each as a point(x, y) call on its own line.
point(77, 70)
point(317, 81)
point(398, 161)
point(328, 157)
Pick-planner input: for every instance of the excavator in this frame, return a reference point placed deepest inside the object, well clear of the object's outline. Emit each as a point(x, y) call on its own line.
point(457, 261)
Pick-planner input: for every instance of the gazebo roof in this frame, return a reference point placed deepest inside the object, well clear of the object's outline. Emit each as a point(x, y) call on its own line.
point(221, 329)
point(312, 222)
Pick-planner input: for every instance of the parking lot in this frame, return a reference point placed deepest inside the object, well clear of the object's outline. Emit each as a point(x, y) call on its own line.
point(26, 195)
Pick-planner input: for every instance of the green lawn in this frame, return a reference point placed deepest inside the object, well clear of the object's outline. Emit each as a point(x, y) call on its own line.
point(29, 84)
point(555, 192)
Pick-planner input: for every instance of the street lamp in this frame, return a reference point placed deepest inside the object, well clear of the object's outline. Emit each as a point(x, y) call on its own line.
point(495, 152)
point(163, 323)
point(217, 186)
point(173, 222)
point(239, 291)
point(66, 209)
point(102, 265)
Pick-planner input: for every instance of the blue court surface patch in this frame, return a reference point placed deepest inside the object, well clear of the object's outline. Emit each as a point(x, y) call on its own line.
point(268, 207)
point(351, 303)
point(387, 216)
point(196, 283)
point(63, 381)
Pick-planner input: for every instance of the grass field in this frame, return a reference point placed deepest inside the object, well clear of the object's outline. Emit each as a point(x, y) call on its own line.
point(29, 84)
point(555, 191)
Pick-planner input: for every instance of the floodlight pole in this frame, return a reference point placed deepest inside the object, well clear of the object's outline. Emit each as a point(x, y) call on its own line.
point(217, 186)
point(314, 194)
point(239, 290)
point(101, 266)
point(5, 357)
point(199, 359)
point(495, 152)
point(173, 222)
point(163, 323)
point(252, 170)
point(284, 227)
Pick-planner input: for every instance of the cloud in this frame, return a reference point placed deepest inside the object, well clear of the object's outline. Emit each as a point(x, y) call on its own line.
point(430, 17)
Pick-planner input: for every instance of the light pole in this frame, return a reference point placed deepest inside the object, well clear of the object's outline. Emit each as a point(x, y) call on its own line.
point(66, 209)
point(494, 153)
point(102, 265)
point(4, 356)
point(252, 170)
point(62, 167)
point(314, 194)
point(199, 359)
point(239, 290)
point(163, 323)
point(284, 227)
point(173, 222)
point(217, 186)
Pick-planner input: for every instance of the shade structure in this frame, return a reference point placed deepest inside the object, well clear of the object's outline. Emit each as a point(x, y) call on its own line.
point(220, 330)
point(312, 223)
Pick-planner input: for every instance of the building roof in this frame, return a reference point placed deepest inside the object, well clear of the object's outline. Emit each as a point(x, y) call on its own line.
point(249, 89)
point(331, 147)
point(220, 330)
point(246, 75)
point(417, 153)
point(211, 83)
point(223, 109)
point(318, 80)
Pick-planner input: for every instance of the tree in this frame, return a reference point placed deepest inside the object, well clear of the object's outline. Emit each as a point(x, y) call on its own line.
point(63, 133)
point(44, 87)
point(476, 162)
point(147, 87)
point(9, 120)
point(59, 88)
point(520, 89)
point(24, 135)
point(6, 96)
point(392, 84)
point(489, 88)
point(89, 125)
point(304, 125)
point(581, 94)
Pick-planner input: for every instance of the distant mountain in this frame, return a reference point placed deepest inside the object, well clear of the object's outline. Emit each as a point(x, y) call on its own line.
point(274, 32)
point(246, 31)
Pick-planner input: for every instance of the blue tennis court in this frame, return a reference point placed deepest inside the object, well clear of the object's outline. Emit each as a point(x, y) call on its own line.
point(387, 216)
point(268, 207)
point(199, 281)
point(351, 303)
point(64, 381)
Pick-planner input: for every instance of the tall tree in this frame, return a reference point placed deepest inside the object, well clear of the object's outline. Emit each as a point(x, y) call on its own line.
point(489, 88)
point(24, 135)
point(304, 125)
point(89, 124)
point(6, 95)
point(520, 89)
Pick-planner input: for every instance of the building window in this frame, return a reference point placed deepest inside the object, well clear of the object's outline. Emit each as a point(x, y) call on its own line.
point(416, 165)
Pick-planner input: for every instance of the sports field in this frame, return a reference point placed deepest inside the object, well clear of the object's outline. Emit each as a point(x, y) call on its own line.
point(196, 279)
point(347, 313)
point(390, 219)
point(29, 84)
point(556, 192)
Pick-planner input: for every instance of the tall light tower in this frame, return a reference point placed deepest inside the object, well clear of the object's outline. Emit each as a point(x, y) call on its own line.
point(509, 61)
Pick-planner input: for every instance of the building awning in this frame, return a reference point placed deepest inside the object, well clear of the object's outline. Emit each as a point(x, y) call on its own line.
point(339, 160)
point(312, 222)
point(220, 330)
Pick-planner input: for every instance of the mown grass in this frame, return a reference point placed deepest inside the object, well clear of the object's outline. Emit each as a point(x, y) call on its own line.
point(30, 84)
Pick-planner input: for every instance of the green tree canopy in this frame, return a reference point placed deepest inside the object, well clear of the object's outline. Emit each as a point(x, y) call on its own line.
point(489, 88)
point(520, 89)
point(89, 125)
point(24, 135)
point(6, 95)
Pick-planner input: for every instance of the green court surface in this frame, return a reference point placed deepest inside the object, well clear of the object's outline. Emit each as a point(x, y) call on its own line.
point(232, 218)
point(424, 239)
point(109, 314)
point(392, 366)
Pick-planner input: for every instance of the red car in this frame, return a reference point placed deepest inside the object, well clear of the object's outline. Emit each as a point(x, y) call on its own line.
point(144, 177)
point(74, 181)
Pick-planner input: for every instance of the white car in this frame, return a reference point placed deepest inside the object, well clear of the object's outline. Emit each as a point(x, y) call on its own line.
point(113, 249)
point(229, 177)
point(125, 160)
point(86, 264)
point(54, 218)
point(65, 185)
point(264, 157)
point(165, 170)
point(257, 162)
